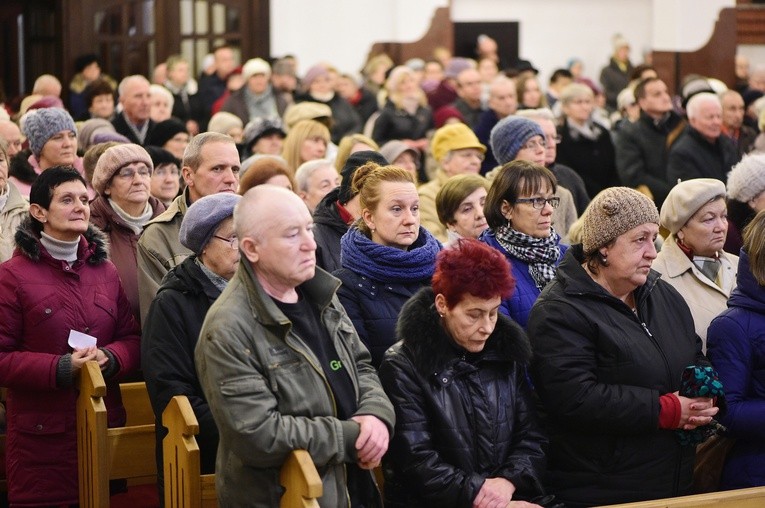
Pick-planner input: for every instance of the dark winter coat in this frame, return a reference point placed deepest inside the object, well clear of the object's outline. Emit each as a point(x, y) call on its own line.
point(345, 119)
point(641, 153)
point(395, 123)
point(695, 157)
point(373, 306)
point(460, 418)
point(614, 80)
point(170, 335)
point(328, 229)
point(123, 243)
point(526, 292)
point(599, 371)
point(483, 127)
point(594, 160)
point(41, 300)
point(121, 126)
point(736, 347)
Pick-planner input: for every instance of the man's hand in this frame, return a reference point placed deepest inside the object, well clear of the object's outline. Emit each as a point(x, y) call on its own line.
point(494, 493)
point(372, 442)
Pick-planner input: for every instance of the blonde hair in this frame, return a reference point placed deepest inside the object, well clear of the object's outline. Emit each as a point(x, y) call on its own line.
point(367, 181)
point(754, 246)
point(393, 82)
point(293, 143)
point(346, 144)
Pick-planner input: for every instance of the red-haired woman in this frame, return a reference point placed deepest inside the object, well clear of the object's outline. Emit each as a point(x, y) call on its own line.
point(466, 433)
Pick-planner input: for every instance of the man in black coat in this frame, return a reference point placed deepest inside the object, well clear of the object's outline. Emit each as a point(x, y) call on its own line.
point(172, 325)
point(702, 151)
point(134, 122)
point(642, 147)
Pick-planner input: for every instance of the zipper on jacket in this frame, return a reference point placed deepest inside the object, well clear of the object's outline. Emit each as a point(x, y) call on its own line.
point(646, 329)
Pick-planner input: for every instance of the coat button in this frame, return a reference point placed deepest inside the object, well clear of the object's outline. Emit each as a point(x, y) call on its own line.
point(66, 268)
point(48, 311)
point(444, 380)
point(39, 427)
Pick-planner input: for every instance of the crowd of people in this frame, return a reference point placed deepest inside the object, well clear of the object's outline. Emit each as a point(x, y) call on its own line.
point(497, 292)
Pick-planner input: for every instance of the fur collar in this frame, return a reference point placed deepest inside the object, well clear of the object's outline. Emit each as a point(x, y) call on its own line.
point(432, 350)
point(96, 249)
point(20, 167)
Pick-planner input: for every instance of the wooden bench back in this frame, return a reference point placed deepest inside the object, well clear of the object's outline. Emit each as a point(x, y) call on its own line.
point(104, 454)
point(185, 487)
point(743, 498)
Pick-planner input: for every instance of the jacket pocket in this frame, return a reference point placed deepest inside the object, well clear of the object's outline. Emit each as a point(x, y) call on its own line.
point(43, 310)
point(244, 385)
point(40, 424)
point(106, 304)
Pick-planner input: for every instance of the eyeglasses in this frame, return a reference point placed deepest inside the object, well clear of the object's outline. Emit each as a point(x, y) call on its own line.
point(233, 242)
point(534, 143)
point(554, 139)
point(163, 171)
point(539, 203)
point(129, 173)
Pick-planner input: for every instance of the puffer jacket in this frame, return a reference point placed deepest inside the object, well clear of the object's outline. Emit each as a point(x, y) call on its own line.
point(736, 345)
point(41, 300)
point(599, 370)
point(460, 418)
point(269, 395)
point(328, 229)
point(170, 335)
point(526, 292)
point(123, 244)
point(395, 123)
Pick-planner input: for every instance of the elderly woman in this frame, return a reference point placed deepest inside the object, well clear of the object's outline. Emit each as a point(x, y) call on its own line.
point(404, 156)
point(736, 343)
point(52, 138)
point(307, 140)
point(466, 431)
point(351, 144)
point(386, 257)
point(123, 208)
point(746, 197)
point(586, 145)
point(270, 170)
point(170, 134)
point(611, 341)
point(692, 259)
point(460, 204)
point(59, 281)
point(318, 87)
point(161, 103)
point(165, 179)
point(227, 123)
point(406, 114)
point(176, 314)
point(13, 208)
point(519, 209)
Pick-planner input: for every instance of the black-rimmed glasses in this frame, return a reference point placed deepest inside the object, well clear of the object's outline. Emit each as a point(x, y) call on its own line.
point(539, 203)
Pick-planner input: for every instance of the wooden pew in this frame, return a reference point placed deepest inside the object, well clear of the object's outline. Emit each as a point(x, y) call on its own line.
point(185, 487)
point(104, 454)
point(743, 498)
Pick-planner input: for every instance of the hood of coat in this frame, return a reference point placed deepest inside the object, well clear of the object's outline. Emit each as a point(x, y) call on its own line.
point(748, 293)
point(94, 250)
point(431, 349)
point(326, 212)
point(188, 277)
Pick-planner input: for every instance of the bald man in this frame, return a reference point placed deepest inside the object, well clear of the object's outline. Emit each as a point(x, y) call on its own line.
point(133, 121)
point(282, 367)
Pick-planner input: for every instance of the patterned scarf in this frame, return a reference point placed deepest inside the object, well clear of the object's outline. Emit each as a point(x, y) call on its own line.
point(541, 254)
point(389, 264)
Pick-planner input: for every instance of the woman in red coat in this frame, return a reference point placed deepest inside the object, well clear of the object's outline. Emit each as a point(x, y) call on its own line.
point(59, 280)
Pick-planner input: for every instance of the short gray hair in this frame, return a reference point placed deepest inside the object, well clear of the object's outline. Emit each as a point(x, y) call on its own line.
point(693, 108)
point(575, 91)
point(306, 169)
point(129, 79)
point(534, 114)
point(192, 156)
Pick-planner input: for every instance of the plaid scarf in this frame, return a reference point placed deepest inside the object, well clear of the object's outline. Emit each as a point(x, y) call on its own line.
point(541, 254)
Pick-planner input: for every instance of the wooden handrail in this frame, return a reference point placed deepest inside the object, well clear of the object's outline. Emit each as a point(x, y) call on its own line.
point(301, 481)
point(741, 498)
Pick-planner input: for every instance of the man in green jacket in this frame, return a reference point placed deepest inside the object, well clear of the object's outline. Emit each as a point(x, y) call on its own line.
point(283, 368)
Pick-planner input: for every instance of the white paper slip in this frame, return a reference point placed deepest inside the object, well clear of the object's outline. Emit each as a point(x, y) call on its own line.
point(79, 340)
